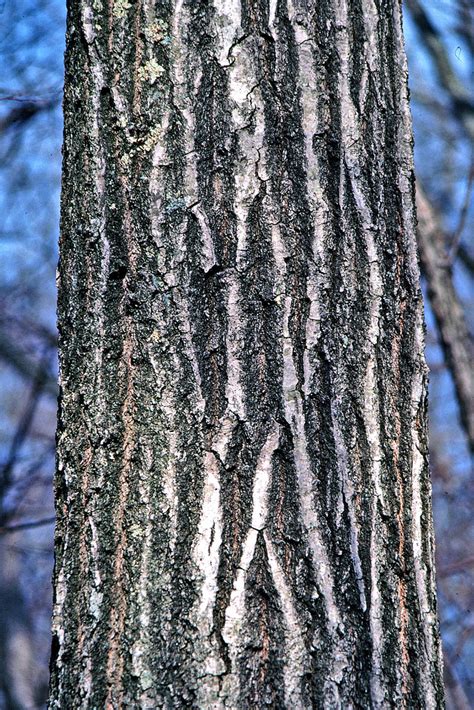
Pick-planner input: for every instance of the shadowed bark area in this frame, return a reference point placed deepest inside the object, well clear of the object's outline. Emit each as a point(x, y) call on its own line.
point(243, 497)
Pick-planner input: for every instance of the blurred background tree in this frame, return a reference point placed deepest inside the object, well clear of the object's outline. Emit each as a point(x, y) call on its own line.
point(31, 70)
point(440, 46)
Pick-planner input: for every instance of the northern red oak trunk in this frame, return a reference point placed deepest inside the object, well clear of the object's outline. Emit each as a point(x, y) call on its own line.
point(243, 498)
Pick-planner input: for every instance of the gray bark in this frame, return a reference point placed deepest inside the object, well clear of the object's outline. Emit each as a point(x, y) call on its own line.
point(243, 496)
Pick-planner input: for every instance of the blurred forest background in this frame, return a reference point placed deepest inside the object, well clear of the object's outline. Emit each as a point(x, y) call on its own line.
point(440, 46)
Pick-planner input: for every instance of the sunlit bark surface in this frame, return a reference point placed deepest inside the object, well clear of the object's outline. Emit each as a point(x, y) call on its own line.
point(244, 515)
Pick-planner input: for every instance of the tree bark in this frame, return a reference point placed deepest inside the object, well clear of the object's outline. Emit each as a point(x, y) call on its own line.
point(243, 496)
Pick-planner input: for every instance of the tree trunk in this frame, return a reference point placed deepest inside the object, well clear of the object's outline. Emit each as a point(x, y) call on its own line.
point(243, 497)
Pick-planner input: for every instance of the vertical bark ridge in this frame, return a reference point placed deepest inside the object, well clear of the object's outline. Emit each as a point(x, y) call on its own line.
point(352, 181)
point(243, 494)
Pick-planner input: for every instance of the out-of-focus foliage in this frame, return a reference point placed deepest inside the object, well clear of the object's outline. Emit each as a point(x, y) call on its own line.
point(440, 43)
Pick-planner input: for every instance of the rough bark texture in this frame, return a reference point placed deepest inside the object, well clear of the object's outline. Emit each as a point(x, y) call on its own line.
point(244, 516)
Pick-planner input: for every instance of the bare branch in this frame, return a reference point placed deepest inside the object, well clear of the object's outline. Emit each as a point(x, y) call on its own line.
point(454, 335)
point(462, 101)
point(456, 237)
point(466, 257)
point(26, 526)
point(456, 567)
point(25, 111)
point(23, 429)
point(15, 357)
point(454, 691)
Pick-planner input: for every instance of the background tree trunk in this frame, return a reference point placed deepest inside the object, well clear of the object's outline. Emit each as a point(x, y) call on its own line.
point(447, 308)
point(243, 497)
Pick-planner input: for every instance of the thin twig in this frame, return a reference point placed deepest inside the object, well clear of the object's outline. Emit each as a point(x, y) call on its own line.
point(26, 526)
point(456, 236)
